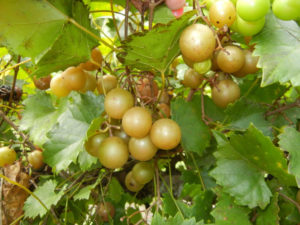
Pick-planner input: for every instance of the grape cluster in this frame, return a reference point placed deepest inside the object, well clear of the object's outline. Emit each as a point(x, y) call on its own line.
point(134, 133)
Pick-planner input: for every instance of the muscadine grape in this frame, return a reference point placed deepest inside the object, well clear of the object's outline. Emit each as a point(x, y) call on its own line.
point(7, 156)
point(164, 110)
point(178, 12)
point(93, 143)
point(252, 10)
point(35, 158)
point(59, 87)
point(202, 67)
point(122, 134)
point(142, 149)
point(137, 122)
point(90, 83)
point(143, 172)
point(249, 28)
point(165, 97)
point(106, 210)
point(107, 83)
point(95, 62)
point(165, 134)
point(225, 92)
point(192, 79)
point(284, 10)
point(74, 78)
point(231, 59)
point(222, 13)
point(197, 42)
point(113, 152)
point(250, 65)
point(175, 4)
point(147, 89)
point(117, 102)
point(131, 184)
point(42, 83)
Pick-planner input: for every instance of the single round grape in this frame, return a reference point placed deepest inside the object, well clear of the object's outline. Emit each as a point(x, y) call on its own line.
point(137, 122)
point(214, 63)
point(122, 134)
point(7, 156)
point(165, 134)
point(58, 87)
point(108, 81)
point(164, 110)
point(252, 10)
point(192, 79)
point(117, 102)
point(178, 12)
point(131, 184)
point(165, 97)
point(175, 4)
point(222, 13)
point(188, 62)
point(143, 172)
point(249, 28)
point(106, 210)
point(42, 83)
point(93, 143)
point(284, 10)
point(113, 153)
point(35, 158)
point(230, 60)
point(142, 149)
point(94, 63)
point(90, 83)
point(202, 67)
point(74, 77)
point(197, 42)
point(147, 89)
point(250, 65)
point(225, 92)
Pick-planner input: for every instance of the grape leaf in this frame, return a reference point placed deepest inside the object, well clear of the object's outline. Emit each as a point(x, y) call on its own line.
point(154, 49)
point(39, 110)
point(269, 216)
point(227, 212)
point(242, 163)
point(278, 46)
point(115, 190)
point(238, 177)
point(41, 29)
point(66, 138)
point(176, 220)
point(195, 134)
point(290, 141)
point(46, 193)
point(163, 14)
point(242, 113)
point(85, 192)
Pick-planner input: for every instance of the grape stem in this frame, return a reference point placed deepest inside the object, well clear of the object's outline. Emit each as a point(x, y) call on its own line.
point(152, 5)
point(290, 200)
point(114, 19)
point(284, 107)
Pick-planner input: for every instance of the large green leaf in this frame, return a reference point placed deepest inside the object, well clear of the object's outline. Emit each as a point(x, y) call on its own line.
point(269, 216)
point(227, 212)
point(42, 30)
point(278, 46)
point(290, 141)
point(154, 49)
point(243, 113)
point(39, 110)
point(195, 133)
point(242, 164)
point(47, 194)
point(66, 138)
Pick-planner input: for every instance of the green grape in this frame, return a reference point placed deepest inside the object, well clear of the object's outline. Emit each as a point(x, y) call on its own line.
point(202, 67)
point(285, 10)
point(251, 10)
point(249, 28)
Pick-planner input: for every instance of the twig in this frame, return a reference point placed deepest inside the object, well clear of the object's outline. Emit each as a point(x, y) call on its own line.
point(126, 19)
point(152, 6)
point(283, 108)
point(11, 123)
point(114, 19)
point(15, 66)
point(290, 200)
